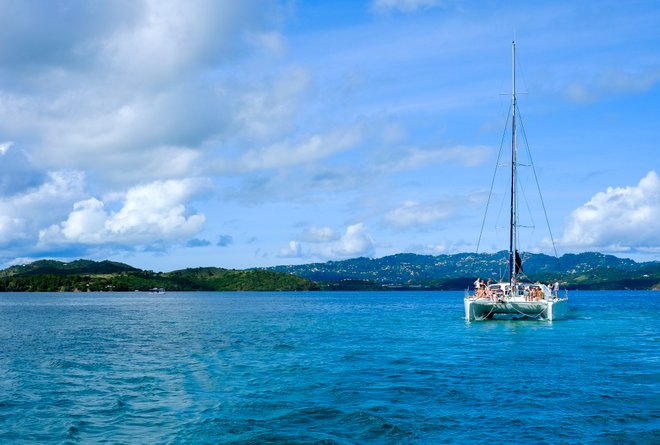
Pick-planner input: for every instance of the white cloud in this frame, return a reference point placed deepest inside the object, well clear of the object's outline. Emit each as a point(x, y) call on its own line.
point(413, 158)
point(4, 147)
point(283, 155)
point(267, 111)
point(355, 242)
point(149, 213)
point(403, 5)
point(415, 214)
point(170, 37)
point(11, 228)
point(619, 219)
point(318, 235)
point(293, 250)
point(95, 87)
point(24, 213)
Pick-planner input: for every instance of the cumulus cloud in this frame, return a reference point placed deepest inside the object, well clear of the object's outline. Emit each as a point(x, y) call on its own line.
point(355, 242)
point(149, 213)
point(40, 210)
point(24, 213)
point(292, 250)
point(382, 6)
point(619, 219)
point(93, 87)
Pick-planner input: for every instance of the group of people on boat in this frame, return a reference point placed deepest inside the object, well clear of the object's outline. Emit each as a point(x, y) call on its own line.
point(484, 289)
point(532, 292)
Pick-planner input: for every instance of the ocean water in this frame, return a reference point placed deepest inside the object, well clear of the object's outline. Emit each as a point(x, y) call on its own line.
point(327, 368)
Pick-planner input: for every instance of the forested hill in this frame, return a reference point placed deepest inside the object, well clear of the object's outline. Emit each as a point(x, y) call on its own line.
point(586, 271)
point(44, 267)
point(402, 271)
point(83, 275)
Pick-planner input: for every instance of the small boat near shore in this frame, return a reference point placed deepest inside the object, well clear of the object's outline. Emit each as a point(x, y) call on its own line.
point(157, 290)
point(514, 297)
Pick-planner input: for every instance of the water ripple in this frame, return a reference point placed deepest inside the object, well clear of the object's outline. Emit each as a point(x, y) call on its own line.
point(324, 368)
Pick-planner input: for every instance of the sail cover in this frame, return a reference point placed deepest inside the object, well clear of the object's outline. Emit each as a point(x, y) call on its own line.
point(519, 267)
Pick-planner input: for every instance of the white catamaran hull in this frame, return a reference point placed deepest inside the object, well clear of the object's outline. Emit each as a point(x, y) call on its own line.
point(481, 308)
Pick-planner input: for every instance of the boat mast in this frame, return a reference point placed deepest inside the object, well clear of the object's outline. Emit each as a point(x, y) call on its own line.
point(512, 234)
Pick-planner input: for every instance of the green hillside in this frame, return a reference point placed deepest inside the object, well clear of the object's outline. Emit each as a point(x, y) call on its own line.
point(84, 275)
point(588, 270)
point(44, 267)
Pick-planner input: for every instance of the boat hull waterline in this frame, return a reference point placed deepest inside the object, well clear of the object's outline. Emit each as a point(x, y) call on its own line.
point(484, 308)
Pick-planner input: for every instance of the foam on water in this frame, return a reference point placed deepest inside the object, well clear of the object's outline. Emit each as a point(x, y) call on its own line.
point(331, 368)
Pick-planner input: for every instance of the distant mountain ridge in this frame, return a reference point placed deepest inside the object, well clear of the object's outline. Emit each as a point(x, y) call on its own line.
point(584, 270)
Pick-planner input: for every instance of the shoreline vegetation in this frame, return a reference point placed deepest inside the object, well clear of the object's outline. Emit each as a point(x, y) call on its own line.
point(586, 271)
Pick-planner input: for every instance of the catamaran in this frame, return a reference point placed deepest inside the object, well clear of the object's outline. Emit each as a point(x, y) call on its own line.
point(514, 297)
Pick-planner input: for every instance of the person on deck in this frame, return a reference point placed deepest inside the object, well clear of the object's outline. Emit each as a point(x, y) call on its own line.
point(478, 288)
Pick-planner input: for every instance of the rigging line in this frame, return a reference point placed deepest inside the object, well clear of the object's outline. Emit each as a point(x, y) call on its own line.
point(529, 211)
point(492, 182)
point(531, 161)
point(505, 199)
point(524, 195)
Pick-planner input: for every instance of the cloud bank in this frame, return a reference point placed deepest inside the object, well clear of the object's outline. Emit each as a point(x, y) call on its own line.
point(149, 213)
point(620, 219)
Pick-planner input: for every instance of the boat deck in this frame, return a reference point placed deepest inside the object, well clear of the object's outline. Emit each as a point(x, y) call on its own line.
point(483, 308)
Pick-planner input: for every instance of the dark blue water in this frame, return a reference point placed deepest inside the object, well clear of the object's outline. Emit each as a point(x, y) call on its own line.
point(396, 367)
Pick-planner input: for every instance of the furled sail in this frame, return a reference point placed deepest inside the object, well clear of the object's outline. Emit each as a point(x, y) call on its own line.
point(519, 268)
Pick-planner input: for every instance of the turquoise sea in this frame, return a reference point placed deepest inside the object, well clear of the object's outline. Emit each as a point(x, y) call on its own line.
point(330, 368)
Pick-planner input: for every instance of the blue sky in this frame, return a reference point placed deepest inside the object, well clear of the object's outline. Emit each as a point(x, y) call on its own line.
point(171, 134)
